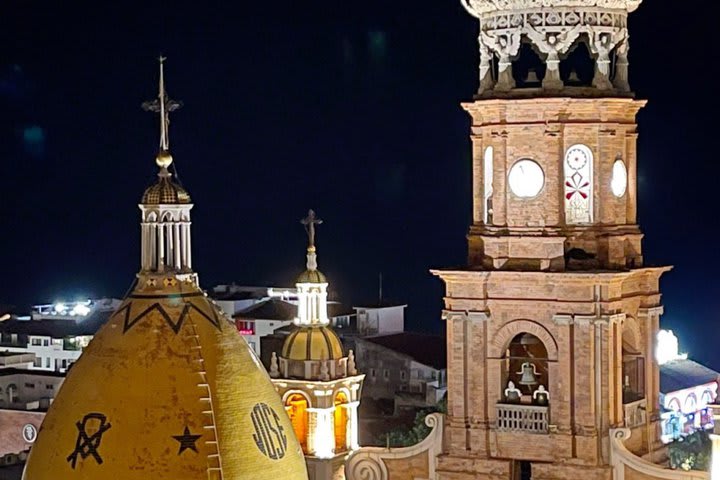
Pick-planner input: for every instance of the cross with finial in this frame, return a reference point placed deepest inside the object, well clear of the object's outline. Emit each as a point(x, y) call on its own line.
point(310, 221)
point(164, 105)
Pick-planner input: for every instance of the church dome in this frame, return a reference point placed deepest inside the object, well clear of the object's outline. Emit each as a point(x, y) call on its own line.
point(317, 342)
point(165, 192)
point(167, 389)
point(311, 276)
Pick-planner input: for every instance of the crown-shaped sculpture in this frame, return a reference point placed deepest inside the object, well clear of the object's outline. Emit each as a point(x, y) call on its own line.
point(478, 7)
point(553, 29)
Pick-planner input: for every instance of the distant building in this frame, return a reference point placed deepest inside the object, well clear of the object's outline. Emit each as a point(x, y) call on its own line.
point(55, 333)
point(407, 368)
point(279, 310)
point(380, 319)
point(25, 395)
point(686, 390)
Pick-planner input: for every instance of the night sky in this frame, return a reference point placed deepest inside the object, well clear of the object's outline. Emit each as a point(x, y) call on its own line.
point(350, 108)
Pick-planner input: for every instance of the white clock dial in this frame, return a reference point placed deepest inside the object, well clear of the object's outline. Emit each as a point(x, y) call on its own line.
point(618, 184)
point(526, 178)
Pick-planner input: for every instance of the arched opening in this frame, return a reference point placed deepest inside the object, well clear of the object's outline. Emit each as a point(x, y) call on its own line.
point(577, 66)
point(578, 167)
point(296, 407)
point(633, 363)
point(528, 67)
point(525, 371)
point(488, 185)
point(341, 420)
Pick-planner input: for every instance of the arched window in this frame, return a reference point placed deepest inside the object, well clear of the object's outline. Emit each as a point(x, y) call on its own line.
point(690, 404)
point(296, 406)
point(341, 419)
point(488, 185)
point(578, 169)
point(707, 398)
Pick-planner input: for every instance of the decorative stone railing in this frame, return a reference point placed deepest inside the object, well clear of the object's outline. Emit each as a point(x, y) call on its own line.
point(377, 463)
point(521, 418)
point(626, 464)
point(635, 413)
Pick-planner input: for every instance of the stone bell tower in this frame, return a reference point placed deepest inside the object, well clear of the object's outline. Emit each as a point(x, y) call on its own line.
point(551, 326)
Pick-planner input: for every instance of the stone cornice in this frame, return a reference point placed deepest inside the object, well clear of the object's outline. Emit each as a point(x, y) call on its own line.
point(465, 315)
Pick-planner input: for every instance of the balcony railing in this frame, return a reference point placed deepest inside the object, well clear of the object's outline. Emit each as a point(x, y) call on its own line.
point(635, 413)
point(521, 418)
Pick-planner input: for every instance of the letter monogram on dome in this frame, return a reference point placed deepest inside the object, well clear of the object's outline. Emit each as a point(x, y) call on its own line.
point(269, 435)
point(87, 443)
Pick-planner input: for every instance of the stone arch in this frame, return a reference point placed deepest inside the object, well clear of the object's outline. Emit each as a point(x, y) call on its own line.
point(290, 393)
point(167, 217)
point(344, 390)
point(631, 333)
point(504, 336)
point(152, 217)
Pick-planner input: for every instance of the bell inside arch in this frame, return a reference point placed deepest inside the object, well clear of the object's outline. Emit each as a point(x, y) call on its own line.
point(528, 374)
point(529, 339)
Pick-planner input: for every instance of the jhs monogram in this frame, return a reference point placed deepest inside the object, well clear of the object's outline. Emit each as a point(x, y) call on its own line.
point(269, 436)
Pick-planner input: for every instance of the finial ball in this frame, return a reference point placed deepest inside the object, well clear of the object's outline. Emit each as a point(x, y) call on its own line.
point(164, 159)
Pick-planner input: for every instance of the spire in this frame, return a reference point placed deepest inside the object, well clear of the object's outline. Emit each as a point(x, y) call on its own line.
point(163, 105)
point(309, 222)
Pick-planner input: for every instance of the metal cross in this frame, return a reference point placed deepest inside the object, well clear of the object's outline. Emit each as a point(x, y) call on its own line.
point(164, 105)
point(310, 221)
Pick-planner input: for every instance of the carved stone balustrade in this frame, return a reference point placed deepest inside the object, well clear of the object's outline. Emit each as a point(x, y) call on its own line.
point(522, 418)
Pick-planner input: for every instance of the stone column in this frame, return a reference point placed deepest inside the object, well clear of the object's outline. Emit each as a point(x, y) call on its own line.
point(177, 245)
point(352, 425)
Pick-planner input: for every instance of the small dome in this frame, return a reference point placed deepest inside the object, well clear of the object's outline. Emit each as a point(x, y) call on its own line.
point(311, 276)
point(313, 343)
point(165, 192)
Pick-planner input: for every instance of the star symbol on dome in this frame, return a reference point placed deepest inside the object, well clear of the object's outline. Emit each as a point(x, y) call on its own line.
point(187, 441)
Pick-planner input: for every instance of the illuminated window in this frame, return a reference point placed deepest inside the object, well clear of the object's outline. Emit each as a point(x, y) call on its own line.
point(618, 184)
point(296, 406)
point(578, 185)
point(246, 327)
point(488, 184)
point(341, 420)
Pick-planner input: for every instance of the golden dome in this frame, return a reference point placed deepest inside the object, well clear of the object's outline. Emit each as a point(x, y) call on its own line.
point(317, 342)
point(167, 389)
point(165, 192)
point(311, 276)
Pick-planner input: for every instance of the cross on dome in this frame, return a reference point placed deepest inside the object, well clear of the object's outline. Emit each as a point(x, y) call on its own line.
point(163, 105)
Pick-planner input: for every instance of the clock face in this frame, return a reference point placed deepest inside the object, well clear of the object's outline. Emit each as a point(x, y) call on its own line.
point(526, 178)
point(577, 158)
point(618, 184)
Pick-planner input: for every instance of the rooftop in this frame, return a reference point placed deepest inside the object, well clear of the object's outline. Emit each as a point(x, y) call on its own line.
point(6, 372)
point(276, 309)
point(684, 373)
point(427, 349)
point(57, 328)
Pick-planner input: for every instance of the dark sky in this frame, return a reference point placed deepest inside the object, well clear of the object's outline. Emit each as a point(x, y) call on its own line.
point(350, 108)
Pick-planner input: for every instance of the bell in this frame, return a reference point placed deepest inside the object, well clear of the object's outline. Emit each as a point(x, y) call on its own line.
point(528, 339)
point(529, 374)
point(532, 76)
point(573, 78)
